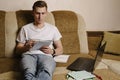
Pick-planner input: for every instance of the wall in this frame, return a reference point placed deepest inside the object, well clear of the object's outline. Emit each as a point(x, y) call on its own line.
point(98, 14)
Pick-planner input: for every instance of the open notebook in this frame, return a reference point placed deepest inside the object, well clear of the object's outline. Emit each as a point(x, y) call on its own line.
point(87, 64)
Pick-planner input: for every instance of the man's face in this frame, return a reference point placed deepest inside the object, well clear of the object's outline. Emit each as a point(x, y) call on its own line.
point(39, 14)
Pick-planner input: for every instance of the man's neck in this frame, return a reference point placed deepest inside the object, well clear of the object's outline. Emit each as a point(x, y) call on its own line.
point(40, 25)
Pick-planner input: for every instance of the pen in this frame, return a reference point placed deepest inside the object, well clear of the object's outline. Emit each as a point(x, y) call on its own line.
point(97, 76)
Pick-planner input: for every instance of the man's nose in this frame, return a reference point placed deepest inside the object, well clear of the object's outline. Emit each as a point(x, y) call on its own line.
point(40, 14)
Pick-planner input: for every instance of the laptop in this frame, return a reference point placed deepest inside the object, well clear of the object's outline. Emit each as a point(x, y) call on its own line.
point(87, 64)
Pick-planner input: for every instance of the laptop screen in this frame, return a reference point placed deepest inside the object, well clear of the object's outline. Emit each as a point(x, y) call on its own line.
point(99, 55)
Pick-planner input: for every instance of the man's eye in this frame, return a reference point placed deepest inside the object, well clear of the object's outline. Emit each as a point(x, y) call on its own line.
point(43, 13)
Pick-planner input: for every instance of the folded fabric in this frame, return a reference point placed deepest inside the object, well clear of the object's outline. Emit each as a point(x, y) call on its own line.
point(115, 68)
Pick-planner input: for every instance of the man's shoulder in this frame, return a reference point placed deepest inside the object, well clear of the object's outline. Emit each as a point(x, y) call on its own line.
point(50, 25)
point(27, 25)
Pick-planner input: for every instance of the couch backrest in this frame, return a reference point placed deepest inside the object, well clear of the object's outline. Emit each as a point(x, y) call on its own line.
point(70, 24)
point(2, 33)
point(25, 17)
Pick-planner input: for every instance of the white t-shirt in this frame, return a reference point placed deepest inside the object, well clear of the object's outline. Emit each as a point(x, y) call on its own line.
point(31, 32)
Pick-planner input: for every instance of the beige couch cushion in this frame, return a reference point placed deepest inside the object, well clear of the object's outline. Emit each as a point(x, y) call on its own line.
point(67, 23)
point(115, 67)
point(9, 64)
point(113, 42)
point(106, 74)
point(11, 75)
point(11, 29)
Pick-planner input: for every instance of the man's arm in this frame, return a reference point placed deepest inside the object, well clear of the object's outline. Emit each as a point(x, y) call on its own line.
point(20, 48)
point(58, 47)
point(23, 47)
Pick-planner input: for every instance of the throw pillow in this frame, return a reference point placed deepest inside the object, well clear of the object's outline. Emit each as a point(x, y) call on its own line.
point(112, 42)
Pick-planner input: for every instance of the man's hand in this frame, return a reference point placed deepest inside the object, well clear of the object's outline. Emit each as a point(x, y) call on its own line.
point(29, 44)
point(46, 49)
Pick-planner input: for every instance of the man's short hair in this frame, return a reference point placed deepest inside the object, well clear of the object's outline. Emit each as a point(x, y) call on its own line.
point(39, 3)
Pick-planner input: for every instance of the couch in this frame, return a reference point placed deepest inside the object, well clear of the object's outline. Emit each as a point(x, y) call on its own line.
point(77, 42)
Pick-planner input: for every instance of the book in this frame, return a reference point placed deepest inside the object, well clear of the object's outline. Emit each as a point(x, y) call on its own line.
point(80, 75)
point(61, 58)
point(39, 44)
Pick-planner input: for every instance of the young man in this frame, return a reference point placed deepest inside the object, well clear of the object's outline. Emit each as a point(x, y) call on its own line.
point(38, 64)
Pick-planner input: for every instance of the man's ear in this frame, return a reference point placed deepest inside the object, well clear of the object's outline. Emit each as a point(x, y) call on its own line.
point(46, 12)
point(32, 13)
